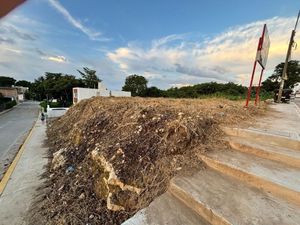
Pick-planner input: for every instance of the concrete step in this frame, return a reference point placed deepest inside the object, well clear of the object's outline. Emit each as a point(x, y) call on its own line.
point(166, 210)
point(274, 177)
point(280, 154)
point(222, 199)
point(270, 137)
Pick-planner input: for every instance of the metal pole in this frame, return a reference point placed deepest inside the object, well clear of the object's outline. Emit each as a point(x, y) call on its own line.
point(287, 59)
point(258, 87)
point(250, 85)
point(259, 46)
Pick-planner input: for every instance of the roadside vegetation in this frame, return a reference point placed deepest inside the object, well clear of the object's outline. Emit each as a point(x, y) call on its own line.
point(6, 103)
point(59, 86)
point(52, 104)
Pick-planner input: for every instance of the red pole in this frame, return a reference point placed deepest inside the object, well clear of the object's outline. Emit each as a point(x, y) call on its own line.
point(250, 85)
point(258, 87)
point(259, 46)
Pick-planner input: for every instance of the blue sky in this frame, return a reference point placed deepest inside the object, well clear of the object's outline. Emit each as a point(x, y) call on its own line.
point(171, 43)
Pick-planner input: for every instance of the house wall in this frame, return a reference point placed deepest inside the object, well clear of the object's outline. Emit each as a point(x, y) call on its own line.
point(103, 93)
point(56, 112)
point(85, 93)
point(21, 97)
point(120, 93)
point(9, 92)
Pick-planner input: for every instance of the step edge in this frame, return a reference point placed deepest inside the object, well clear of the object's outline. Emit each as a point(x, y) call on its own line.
point(239, 132)
point(141, 217)
point(199, 207)
point(275, 189)
point(265, 154)
point(248, 141)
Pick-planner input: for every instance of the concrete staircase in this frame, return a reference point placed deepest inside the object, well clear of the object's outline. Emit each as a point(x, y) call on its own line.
point(257, 181)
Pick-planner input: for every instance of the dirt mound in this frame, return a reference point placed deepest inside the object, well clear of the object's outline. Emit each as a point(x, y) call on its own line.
point(112, 156)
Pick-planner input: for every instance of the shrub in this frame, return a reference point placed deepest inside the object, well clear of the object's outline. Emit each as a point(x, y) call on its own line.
point(44, 103)
point(10, 104)
point(4, 100)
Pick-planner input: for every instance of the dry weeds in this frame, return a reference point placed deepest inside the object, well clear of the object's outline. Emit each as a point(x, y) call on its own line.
point(113, 156)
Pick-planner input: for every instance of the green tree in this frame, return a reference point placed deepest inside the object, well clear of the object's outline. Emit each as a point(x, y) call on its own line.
point(55, 85)
point(89, 77)
point(136, 84)
point(293, 73)
point(6, 81)
point(212, 88)
point(37, 89)
point(154, 92)
point(23, 83)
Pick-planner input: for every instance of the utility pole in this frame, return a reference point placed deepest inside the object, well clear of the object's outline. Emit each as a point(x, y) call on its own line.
point(287, 59)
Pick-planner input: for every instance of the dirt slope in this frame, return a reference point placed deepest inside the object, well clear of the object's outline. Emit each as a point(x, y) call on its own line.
point(110, 157)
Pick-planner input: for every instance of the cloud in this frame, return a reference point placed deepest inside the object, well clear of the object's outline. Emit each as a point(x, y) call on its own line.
point(12, 50)
point(59, 58)
point(216, 73)
point(20, 34)
point(40, 52)
point(6, 40)
point(20, 50)
point(170, 38)
point(227, 56)
point(93, 35)
point(14, 34)
point(54, 58)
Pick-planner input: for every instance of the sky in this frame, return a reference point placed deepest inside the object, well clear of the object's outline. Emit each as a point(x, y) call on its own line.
point(171, 43)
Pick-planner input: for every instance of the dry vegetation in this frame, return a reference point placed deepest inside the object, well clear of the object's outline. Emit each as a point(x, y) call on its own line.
point(110, 157)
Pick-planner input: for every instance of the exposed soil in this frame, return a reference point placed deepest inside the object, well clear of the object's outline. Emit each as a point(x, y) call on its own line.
point(110, 157)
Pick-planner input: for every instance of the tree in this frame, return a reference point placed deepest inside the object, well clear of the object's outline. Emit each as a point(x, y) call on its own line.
point(293, 73)
point(55, 85)
point(37, 88)
point(6, 81)
point(153, 92)
point(89, 77)
point(136, 84)
point(23, 83)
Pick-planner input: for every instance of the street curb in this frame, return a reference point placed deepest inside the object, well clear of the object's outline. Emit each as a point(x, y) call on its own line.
point(13, 165)
point(297, 108)
point(5, 111)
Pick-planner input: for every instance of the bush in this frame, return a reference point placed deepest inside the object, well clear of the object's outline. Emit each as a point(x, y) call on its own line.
point(10, 104)
point(55, 104)
point(44, 103)
point(4, 100)
point(6, 103)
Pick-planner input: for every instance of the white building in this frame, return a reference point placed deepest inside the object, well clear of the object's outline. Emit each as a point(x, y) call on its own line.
point(14, 92)
point(56, 112)
point(85, 93)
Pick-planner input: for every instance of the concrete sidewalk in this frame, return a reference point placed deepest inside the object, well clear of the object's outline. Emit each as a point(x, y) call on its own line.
point(26, 178)
point(282, 120)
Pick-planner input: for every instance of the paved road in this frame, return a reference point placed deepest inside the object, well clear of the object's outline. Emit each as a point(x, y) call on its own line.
point(21, 189)
point(297, 101)
point(14, 125)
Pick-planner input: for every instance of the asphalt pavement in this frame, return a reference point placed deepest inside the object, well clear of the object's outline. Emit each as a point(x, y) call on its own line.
point(14, 127)
point(21, 189)
point(297, 102)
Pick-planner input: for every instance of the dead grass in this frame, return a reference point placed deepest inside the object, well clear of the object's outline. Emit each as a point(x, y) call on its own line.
point(124, 151)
